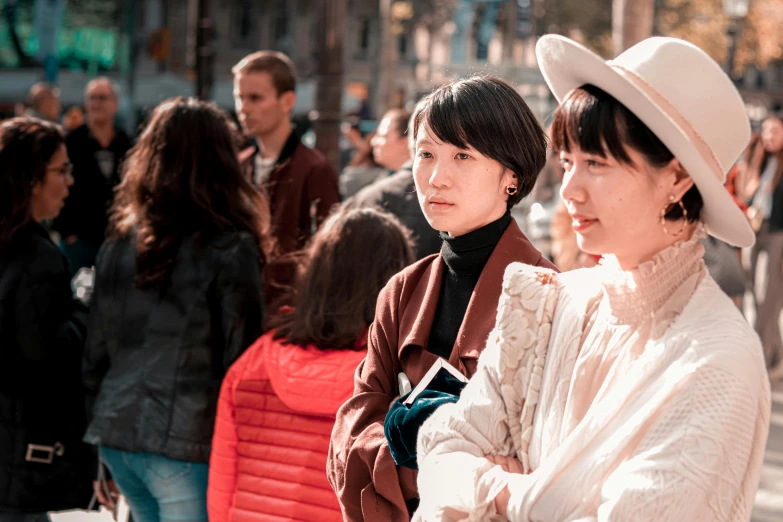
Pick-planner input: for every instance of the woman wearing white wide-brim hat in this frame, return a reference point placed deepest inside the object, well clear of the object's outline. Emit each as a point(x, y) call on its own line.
point(633, 391)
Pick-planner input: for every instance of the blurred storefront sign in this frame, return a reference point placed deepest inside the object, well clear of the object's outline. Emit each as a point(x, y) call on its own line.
point(86, 48)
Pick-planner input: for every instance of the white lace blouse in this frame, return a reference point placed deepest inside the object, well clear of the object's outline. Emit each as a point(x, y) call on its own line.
point(627, 395)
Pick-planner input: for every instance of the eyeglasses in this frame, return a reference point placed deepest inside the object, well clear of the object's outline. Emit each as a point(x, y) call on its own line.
point(65, 169)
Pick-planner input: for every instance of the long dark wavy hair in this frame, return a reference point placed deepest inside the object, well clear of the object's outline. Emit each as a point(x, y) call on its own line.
point(349, 260)
point(183, 180)
point(26, 147)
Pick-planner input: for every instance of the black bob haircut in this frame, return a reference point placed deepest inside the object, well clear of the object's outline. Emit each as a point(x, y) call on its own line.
point(488, 115)
point(599, 124)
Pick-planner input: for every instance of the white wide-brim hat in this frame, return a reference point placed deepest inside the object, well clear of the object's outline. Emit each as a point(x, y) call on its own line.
point(684, 98)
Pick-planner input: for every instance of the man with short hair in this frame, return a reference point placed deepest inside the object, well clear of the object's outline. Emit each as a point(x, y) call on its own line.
point(44, 102)
point(397, 193)
point(96, 150)
point(299, 183)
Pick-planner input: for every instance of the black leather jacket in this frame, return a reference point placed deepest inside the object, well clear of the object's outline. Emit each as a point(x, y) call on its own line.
point(155, 358)
point(42, 332)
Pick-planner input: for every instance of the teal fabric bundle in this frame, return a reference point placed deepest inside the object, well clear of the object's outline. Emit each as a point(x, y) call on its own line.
point(402, 423)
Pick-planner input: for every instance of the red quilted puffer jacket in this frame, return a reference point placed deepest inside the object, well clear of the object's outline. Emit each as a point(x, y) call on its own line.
point(275, 416)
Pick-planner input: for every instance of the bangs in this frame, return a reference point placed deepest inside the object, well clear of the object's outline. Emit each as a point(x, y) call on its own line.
point(489, 116)
point(594, 121)
point(444, 118)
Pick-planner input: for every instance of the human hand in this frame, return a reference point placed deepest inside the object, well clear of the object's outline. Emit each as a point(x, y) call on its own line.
point(509, 464)
point(106, 492)
point(83, 284)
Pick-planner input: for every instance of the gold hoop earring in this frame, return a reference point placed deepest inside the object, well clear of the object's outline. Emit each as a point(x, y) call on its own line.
point(665, 209)
point(511, 190)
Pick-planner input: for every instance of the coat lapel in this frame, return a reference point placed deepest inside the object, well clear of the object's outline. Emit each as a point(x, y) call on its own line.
point(415, 321)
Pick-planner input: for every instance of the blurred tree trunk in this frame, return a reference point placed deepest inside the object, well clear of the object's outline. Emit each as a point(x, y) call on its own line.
point(384, 62)
point(703, 23)
point(632, 22)
point(205, 53)
point(510, 14)
point(329, 96)
point(9, 10)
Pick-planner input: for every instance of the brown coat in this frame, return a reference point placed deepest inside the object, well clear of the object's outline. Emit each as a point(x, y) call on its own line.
point(302, 189)
point(360, 468)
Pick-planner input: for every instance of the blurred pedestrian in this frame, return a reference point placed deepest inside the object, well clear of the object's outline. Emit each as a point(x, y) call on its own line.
point(392, 148)
point(177, 299)
point(44, 465)
point(763, 190)
point(363, 170)
point(300, 374)
point(43, 101)
point(299, 183)
point(97, 149)
point(479, 149)
point(548, 182)
point(724, 264)
point(73, 118)
point(390, 143)
point(20, 109)
point(350, 141)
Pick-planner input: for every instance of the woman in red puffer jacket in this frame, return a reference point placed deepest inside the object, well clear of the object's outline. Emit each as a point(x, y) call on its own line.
point(278, 401)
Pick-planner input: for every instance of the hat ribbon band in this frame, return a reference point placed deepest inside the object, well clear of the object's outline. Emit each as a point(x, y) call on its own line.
point(669, 109)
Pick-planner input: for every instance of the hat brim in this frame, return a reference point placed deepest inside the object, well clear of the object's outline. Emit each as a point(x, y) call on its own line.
point(566, 65)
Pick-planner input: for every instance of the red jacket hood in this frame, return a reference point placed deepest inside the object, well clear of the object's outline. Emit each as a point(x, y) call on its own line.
point(307, 379)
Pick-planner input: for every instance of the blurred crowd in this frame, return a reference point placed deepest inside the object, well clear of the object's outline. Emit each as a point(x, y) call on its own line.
point(204, 285)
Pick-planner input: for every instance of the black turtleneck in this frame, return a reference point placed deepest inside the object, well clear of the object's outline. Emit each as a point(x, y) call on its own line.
point(465, 257)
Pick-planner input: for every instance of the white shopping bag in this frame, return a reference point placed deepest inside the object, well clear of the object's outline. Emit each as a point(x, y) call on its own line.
point(104, 515)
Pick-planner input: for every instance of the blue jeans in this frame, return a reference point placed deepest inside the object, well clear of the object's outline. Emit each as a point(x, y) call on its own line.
point(157, 488)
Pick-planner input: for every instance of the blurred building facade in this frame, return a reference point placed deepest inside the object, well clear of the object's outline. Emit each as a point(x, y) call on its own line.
point(423, 53)
point(147, 46)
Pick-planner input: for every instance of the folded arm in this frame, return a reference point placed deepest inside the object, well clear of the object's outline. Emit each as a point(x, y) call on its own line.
point(456, 479)
point(494, 414)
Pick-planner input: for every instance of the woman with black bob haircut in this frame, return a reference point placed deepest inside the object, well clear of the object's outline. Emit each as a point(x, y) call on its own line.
point(478, 151)
point(638, 391)
point(44, 465)
point(177, 299)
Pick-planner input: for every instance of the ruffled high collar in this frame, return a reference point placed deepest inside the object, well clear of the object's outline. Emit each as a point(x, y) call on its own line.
point(642, 293)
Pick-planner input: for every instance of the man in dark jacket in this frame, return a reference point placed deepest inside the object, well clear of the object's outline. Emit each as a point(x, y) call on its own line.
point(96, 150)
point(397, 193)
point(299, 183)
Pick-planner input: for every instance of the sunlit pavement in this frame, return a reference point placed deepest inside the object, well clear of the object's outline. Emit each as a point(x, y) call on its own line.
point(769, 500)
